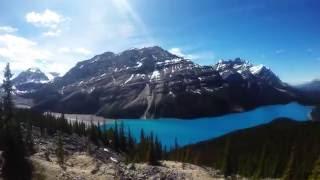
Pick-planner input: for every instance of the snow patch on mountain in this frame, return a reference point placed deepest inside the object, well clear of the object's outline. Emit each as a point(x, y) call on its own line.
point(256, 69)
point(155, 75)
point(139, 64)
point(34, 70)
point(130, 78)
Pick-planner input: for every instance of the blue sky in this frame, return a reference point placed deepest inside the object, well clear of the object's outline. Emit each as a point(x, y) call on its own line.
point(55, 34)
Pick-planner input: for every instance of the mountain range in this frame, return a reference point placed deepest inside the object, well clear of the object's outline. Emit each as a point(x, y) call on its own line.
point(152, 83)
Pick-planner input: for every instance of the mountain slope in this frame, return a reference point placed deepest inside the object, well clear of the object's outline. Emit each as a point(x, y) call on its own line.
point(152, 83)
point(269, 150)
point(310, 91)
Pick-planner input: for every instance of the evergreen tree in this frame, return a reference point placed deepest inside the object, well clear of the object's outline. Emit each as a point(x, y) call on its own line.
point(59, 150)
point(151, 157)
point(315, 174)
point(142, 147)
point(15, 166)
point(115, 140)
point(131, 141)
point(187, 155)
point(226, 163)
point(176, 150)
point(289, 172)
point(29, 139)
point(260, 167)
point(122, 138)
point(99, 132)
point(157, 149)
point(7, 97)
point(94, 134)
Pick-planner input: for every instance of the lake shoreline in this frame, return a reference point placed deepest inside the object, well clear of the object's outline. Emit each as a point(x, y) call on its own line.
point(85, 118)
point(169, 129)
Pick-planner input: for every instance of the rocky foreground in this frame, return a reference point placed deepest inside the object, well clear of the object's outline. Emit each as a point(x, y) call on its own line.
point(84, 161)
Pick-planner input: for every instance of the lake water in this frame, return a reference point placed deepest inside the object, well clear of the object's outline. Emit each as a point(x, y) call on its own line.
point(195, 130)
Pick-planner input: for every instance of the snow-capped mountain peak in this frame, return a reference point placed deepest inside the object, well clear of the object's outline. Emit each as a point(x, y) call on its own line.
point(248, 71)
point(31, 75)
point(257, 69)
point(34, 70)
point(31, 80)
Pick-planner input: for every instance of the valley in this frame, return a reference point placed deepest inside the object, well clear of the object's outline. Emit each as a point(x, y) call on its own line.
point(147, 113)
point(159, 90)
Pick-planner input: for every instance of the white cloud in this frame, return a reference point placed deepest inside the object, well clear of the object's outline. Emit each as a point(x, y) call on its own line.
point(80, 50)
point(178, 52)
point(200, 57)
point(21, 52)
point(93, 29)
point(58, 67)
point(83, 51)
point(52, 33)
point(64, 50)
point(7, 29)
point(47, 18)
point(126, 30)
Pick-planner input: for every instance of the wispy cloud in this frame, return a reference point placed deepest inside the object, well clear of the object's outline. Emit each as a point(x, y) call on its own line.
point(52, 33)
point(7, 29)
point(201, 57)
point(280, 51)
point(178, 52)
point(310, 50)
point(80, 50)
point(124, 8)
point(48, 19)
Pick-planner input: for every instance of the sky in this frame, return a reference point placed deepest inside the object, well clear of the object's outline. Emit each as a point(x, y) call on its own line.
point(56, 34)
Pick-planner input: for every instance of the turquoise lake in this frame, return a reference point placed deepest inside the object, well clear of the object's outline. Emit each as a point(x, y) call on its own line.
point(195, 130)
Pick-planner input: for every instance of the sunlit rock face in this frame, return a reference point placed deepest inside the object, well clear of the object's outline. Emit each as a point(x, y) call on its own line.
point(151, 83)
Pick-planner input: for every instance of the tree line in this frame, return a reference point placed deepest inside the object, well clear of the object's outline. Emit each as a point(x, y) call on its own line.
point(283, 149)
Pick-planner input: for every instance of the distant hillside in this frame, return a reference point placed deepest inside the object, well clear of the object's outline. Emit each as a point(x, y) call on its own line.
point(281, 148)
point(310, 91)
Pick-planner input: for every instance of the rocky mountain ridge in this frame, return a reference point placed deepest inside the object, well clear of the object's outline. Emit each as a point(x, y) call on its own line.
point(151, 83)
